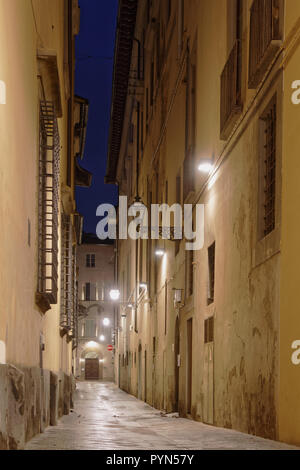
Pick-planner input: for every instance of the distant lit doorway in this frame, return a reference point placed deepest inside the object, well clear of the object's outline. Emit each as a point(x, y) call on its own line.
point(91, 369)
point(93, 366)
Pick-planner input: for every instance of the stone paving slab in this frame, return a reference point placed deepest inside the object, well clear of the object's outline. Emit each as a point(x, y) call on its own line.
point(106, 418)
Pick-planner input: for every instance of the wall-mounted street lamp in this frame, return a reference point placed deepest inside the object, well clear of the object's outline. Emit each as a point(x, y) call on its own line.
point(106, 321)
point(160, 253)
point(102, 338)
point(114, 294)
point(205, 166)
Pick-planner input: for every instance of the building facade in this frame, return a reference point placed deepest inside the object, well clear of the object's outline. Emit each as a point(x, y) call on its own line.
point(41, 227)
point(209, 115)
point(96, 322)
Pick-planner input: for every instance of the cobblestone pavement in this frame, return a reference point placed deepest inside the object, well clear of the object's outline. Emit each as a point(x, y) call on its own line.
point(109, 419)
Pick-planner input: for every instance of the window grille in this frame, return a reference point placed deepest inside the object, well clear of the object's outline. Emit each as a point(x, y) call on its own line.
point(211, 273)
point(91, 261)
point(49, 160)
point(269, 169)
point(265, 37)
point(231, 102)
point(209, 330)
point(67, 287)
point(74, 316)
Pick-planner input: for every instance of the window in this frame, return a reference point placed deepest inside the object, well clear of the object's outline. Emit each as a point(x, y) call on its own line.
point(169, 9)
point(74, 322)
point(268, 169)
point(90, 261)
point(149, 4)
point(209, 330)
point(265, 37)
point(67, 286)
point(178, 201)
point(147, 108)
point(189, 272)
point(87, 295)
point(90, 328)
point(48, 207)
point(190, 125)
point(90, 291)
point(231, 77)
point(180, 26)
point(211, 274)
point(158, 51)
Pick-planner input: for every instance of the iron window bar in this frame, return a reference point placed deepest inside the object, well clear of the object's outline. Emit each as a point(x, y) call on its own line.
point(270, 170)
point(265, 37)
point(231, 101)
point(67, 300)
point(49, 162)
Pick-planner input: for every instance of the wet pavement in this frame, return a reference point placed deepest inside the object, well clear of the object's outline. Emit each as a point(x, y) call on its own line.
point(107, 418)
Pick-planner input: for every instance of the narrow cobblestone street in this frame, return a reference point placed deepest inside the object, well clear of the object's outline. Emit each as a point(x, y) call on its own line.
point(106, 418)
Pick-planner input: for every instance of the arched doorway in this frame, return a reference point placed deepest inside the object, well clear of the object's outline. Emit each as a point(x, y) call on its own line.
point(176, 364)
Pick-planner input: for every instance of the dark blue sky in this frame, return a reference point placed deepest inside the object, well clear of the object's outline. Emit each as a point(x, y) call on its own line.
point(93, 80)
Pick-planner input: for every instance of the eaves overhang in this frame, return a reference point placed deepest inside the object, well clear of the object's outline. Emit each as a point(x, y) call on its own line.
point(122, 60)
point(83, 177)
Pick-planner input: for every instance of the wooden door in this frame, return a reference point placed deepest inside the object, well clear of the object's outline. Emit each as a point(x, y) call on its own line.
point(92, 369)
point(189, 368)
point(208, 371)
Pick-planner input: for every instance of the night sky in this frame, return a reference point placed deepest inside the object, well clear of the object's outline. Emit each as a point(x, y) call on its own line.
point(93, 80)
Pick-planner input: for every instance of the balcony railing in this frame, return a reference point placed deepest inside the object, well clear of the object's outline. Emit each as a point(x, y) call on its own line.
point(265, 37)
point(231, 104)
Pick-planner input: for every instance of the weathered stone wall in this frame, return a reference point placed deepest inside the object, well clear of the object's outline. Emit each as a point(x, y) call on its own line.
point(54, 397)
point(45, 400)
point(29, 403)
point(241, 379)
